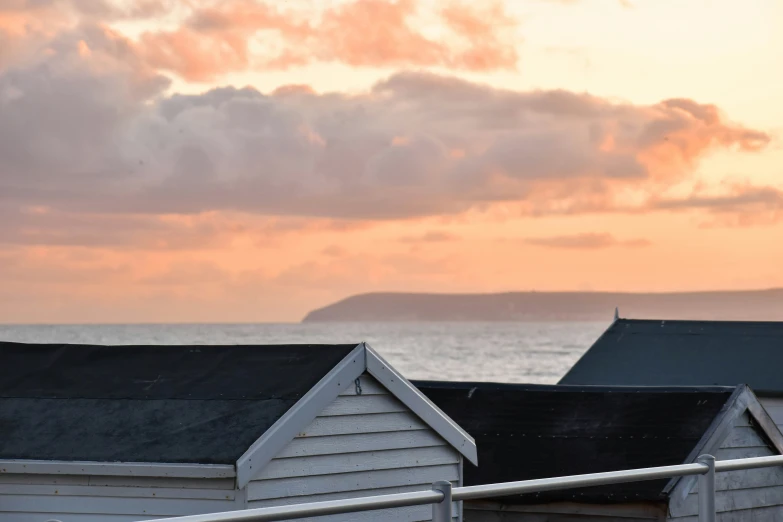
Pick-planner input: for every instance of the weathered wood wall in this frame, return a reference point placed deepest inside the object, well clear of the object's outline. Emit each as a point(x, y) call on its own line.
point(360, 445)
point(742, 496)
point(774, 406)
point(83, 498)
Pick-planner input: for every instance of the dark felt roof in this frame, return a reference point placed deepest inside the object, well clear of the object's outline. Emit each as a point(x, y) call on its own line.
point(685, 353)
point(197, 404)
point(530, 431)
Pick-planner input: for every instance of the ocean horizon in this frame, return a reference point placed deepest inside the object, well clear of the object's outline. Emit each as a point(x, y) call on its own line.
point(518, 352)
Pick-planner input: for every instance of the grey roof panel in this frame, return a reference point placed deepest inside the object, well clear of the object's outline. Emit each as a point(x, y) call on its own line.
point(134, 430)
point(684, 353)
point(537, 431)
point(168, 404)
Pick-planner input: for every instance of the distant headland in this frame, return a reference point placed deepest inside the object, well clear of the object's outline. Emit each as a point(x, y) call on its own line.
point(743, 305)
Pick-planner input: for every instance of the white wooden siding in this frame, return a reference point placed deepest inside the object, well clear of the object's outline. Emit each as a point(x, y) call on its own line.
point(84, 498)
point(741, 496)
point(774, 406)
point(360, 445)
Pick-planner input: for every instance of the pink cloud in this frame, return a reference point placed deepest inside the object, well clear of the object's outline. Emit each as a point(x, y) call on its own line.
point(218, 39)
point(93, 132)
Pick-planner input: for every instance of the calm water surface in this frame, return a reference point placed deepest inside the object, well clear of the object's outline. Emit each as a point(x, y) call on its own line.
point(501, 352)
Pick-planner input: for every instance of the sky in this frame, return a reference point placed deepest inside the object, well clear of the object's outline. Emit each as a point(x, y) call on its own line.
point(248, 160)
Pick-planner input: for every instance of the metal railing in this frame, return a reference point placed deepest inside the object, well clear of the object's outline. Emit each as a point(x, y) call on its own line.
point(442, 494)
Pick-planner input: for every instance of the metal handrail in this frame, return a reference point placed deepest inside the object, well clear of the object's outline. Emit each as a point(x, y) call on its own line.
point(576, 481)
point(442, 494)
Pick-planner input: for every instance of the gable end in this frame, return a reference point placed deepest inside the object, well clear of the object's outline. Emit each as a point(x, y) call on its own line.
point(300, 415)
point(421, 406)
point(744, 430)
point(314, 402)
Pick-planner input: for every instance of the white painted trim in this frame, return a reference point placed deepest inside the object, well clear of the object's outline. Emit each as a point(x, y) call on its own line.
point(746, 400)
point(743, 400)
point(409, 395)
point(765, 422)
point(126, 469)
point(362, 359)
point(137, 492)
point(241, 498)
point(460, 483)
point(679, 487)
point(720, 428)
point(111, 508)
point(300, 415)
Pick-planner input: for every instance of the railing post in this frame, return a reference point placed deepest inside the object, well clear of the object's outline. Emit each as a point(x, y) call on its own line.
point(707, 490)
point(441, 512)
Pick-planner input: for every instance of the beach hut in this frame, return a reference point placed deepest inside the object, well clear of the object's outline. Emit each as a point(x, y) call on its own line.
point(529, 432)
point(127, 433)
point(684, 353)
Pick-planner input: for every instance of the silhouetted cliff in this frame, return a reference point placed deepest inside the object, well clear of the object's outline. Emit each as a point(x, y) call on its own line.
point(758, 305)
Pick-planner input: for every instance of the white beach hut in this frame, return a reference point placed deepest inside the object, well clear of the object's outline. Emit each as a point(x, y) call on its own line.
point(529, 432)
point(127, 433)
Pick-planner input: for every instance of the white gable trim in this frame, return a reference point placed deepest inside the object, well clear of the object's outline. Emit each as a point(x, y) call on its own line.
point(362, 359)
point(767, 424)
point(411, 397)
point(300, 415)
point(125, 469)
point(679, 487)
point(743, 400)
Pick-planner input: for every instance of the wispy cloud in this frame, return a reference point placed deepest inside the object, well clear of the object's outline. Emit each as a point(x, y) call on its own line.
point(624, 3)
point(586, 241)
point(334, 251)
point(433, 236)
point(738, 204)
point(740, 198)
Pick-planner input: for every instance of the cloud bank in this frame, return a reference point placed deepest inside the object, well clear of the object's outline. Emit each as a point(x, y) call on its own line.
point(89, 127)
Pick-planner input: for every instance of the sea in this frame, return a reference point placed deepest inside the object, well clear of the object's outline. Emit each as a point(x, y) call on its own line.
point(537, 353)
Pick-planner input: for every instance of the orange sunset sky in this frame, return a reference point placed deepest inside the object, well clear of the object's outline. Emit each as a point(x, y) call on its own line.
point(242, 160)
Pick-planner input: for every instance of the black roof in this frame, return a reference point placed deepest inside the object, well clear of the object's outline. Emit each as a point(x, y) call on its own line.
point(537, 431)
point(168, 404)
point(676, 353)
